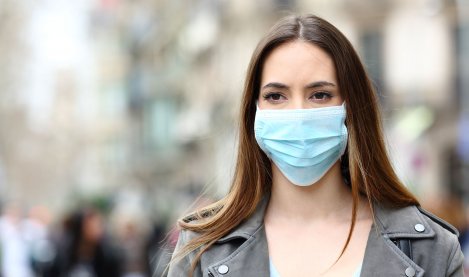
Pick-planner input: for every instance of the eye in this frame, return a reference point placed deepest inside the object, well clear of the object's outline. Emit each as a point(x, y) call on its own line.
point(321, 96)
point(274, 97)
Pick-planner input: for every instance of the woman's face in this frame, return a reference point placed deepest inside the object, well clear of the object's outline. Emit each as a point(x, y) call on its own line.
point(298, 75)
point(92, 228)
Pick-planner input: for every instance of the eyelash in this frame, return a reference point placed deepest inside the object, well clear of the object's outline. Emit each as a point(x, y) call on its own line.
point(325, 96)
point(269, 96)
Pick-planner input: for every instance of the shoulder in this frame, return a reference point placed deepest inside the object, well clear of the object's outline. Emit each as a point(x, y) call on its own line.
point(202, 215)
point(193, 221)
point(437, 223)
point(445, 247)
point(419, 225)
point(185, 236)
point(435, 245)
point(445, 235)
point(413, 221)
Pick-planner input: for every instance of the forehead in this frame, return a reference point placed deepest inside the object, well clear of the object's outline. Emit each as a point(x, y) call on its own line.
point(298, 61)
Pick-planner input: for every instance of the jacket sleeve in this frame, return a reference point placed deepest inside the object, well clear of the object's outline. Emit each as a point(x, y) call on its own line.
point(456, 259)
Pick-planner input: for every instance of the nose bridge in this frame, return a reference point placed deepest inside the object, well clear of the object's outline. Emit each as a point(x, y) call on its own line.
point(298, 100)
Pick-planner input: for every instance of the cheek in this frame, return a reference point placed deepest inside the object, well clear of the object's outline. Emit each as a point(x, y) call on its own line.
point(260, 105)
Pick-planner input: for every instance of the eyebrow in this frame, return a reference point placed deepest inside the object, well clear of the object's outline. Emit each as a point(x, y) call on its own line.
point(317, 84)
point(275, 85)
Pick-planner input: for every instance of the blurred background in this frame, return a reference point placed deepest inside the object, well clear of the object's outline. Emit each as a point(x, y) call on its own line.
point(116, 115)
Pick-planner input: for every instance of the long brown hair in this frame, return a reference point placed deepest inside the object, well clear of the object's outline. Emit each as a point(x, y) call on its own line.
point(366, 166)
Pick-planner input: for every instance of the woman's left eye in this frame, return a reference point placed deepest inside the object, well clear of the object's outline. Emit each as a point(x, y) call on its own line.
point(321, 96)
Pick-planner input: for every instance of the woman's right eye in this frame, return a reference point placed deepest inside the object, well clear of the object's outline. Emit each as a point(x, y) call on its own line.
point(274, 97)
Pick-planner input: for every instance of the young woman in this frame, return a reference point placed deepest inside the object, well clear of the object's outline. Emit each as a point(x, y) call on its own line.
point(314, 193)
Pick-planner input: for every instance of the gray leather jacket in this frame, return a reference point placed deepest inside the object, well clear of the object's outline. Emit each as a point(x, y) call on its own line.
point(435, 250)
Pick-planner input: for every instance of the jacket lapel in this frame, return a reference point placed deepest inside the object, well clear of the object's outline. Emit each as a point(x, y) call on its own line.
point(382, 256)
point(252, 257)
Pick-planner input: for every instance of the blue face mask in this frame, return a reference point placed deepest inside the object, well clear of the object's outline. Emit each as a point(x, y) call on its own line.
point(303, 143)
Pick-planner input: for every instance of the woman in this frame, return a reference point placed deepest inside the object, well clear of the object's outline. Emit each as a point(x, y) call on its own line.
point(314, 193)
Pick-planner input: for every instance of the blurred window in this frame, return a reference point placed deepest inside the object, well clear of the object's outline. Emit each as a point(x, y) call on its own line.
point(284, 3)
point(459, 171)
point(372, 54)
point(461, 44)
point(159, 121)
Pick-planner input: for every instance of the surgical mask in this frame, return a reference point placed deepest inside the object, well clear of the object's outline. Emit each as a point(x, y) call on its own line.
point(303, 143)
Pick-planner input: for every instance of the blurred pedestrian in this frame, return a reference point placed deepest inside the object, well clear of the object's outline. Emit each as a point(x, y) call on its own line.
point(37, 236)
point(15, 256)
point(159, 248)
point(85, 250)
point(131, 237)
point(314, 192)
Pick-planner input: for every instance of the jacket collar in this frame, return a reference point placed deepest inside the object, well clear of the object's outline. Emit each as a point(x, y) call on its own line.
point(402, 223)
point(241, 262)
point(382, 256)
point(394, 223)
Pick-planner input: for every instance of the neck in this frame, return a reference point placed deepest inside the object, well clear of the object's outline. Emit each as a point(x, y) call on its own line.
point(329, 198)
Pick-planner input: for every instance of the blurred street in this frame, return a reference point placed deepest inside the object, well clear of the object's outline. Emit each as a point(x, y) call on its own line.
point(117, 117)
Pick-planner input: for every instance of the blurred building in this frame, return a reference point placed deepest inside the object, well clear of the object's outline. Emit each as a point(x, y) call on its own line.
point(112, 97)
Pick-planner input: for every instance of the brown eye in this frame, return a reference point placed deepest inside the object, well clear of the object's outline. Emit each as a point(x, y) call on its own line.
point(321, 96)
point(274, 97)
